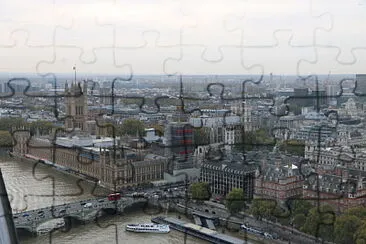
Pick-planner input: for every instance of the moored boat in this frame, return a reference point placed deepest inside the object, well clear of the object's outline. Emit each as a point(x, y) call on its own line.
point(148, 228)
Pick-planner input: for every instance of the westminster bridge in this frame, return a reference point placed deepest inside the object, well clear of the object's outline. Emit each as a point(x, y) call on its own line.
point(83, 211)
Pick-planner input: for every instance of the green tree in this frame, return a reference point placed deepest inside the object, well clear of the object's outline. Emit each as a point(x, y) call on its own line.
point(262, 208)
point(235, 200)
point(360, 235)
point(300, 207)
point(299, 220)
point(344, 228)
point(201, 136)
point(130, 127)
point(293, 107)
point(159, 129)
point(320, 222)
point(263, 137)
point(200, 191)
point(6, 140)
point(294, 147)
point(9, 123)
point(253, 139)
point(359, 212)
point(44, 127)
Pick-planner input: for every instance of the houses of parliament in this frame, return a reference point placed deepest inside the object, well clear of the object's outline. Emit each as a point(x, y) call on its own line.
point(83, 148)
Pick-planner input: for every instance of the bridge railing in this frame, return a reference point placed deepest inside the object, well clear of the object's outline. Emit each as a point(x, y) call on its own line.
point(62, 210)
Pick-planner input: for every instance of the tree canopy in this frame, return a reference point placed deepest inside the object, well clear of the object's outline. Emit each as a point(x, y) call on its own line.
point(320, 222)
point(6, 139)
point(235, 200)
point(294, 147)
point(299, 206)
point(9, 123)
point(344, 228)
point(41, 126)
point(201, 136)
point(130, 127)
point(200, 191)
point(262, 208)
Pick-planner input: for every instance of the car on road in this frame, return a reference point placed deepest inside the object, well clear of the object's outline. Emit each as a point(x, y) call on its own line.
point(41, 214)
point(87, 205)
point(268, 236)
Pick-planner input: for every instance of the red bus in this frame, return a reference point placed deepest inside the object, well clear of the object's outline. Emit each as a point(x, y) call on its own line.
point(114, 196)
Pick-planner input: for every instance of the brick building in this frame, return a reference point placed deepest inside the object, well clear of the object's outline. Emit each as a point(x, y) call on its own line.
point(279, 182)
point(341, 188)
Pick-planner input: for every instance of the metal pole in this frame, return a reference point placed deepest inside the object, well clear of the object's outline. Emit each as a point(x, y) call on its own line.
point(8, 234)
point(75, 74)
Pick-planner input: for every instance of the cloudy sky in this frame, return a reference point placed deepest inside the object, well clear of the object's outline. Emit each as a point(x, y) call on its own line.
point(183, 36)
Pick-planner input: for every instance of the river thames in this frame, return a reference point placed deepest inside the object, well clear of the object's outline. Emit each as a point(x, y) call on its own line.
point(33, 186)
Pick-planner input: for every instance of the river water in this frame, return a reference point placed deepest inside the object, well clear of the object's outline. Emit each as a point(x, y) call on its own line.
point(32, 186)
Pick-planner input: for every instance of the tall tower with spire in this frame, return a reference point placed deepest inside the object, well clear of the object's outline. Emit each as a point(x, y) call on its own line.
point(76, 102)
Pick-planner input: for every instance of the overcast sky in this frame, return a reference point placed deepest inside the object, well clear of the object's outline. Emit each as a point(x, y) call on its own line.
point(183, 36)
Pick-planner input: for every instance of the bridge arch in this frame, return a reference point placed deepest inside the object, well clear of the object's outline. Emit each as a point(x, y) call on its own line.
point(24, 228)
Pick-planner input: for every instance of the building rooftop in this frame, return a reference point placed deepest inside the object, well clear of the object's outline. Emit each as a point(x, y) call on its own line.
point(85, 141)
point(279, 172)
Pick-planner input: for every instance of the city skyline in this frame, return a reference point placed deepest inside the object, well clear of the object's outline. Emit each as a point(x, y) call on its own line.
point(183, 37)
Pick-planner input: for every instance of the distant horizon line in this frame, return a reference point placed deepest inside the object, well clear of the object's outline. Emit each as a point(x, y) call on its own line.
point(167, 75)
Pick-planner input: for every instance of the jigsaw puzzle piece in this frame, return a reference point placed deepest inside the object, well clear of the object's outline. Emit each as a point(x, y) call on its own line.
point(112, 97)
point(111, 231)
point(7, 29)
point(257, 25)
point(212, 40)
point(18, 16)
point(320, 222)
point(31, 99)
point(340, 35)
point(46, 154)
point(67, 58)
point(191, 61)
point(290, 55)
point(148, 58)
point(360, 86)
point(328, 57)
point(18, 200)
point(20, 50)
point(132, 21)
point(75, 35)
point(15, 87)
point(310, 95)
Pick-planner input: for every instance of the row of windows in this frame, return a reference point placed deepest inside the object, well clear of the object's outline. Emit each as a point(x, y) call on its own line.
point(224, 185)
point(282, 187)
point(222, 176)
point(148, 169)
point(79, 110)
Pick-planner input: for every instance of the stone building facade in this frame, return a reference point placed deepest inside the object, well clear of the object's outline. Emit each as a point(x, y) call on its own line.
point(76, 103)
point(95, 158)
point(224, 175)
